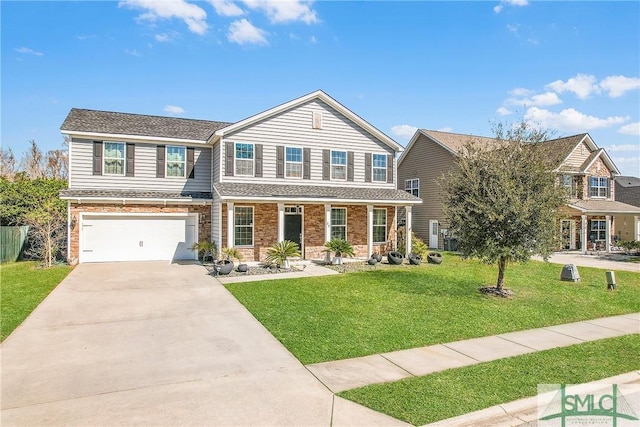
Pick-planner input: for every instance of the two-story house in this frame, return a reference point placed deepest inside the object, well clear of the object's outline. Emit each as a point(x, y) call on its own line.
point(585, 170)
point(147, 187)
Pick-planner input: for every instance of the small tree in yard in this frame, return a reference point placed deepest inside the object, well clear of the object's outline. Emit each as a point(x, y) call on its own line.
point(47, 232)
point(502, 200)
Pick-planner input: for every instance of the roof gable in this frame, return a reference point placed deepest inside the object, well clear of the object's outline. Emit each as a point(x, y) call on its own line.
point(138, 126)
point(320, 95)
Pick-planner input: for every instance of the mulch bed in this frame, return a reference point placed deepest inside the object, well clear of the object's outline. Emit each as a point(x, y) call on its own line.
point(493, 291)
point(252, 270)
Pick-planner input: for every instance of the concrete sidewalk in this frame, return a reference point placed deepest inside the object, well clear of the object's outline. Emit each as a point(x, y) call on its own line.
point(602, 260)
point(346, 374)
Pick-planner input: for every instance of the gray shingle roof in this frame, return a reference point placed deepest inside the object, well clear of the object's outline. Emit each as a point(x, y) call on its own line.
point(628, 181)
point(229, 190)
point(80, 120)
point(603, 207)
point(133, 194)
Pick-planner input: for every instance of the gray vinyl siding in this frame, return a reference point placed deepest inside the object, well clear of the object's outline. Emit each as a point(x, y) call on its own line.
point(216, 163)
point(578, 156)
point(294, 127)
point(81, 176)
point(427, 161)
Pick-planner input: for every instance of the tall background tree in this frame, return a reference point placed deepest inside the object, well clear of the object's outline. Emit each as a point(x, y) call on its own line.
point(502, 200)
point(30, 196)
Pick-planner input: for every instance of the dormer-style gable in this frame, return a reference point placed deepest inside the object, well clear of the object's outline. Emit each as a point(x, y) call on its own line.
point(315, 120)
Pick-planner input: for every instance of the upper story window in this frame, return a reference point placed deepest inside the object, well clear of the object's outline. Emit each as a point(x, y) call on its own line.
point(114, 158)
point(339, 165)
point(598, 186)
point(412, 186)
point(379, 169)
point(339, 223)
point(176, 161)
point(569, 184)
point(293, 162)
point(244, 157)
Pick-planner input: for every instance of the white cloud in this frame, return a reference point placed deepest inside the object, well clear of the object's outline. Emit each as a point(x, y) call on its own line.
point(631, 129)
point(194, 16)
point(618, 85)
point(313, 40)
point(133, 52)
point(569, 120)
point(162, 37)
point(582, 85)
point(542, 99)
point(173, 109)
point(624, 147)
point(403, 131)
point(445, 129)
point(243, 32)
point(503, 3)
point(520, 91)
point(28, 51)
point(285, 10)
point(504, 111)
point(226, 8)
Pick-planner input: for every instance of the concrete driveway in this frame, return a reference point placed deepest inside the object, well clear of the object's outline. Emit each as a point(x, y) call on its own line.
point(156, 344)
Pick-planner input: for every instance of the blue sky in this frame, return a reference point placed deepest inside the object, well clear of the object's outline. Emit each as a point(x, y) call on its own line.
point(456, 66)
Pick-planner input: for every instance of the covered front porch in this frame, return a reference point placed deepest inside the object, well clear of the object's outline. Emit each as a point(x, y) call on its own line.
point(252, 217)
point(595, 225)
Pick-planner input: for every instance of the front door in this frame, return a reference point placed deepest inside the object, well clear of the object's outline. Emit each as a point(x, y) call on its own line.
point(293, 225)
point(433, 233)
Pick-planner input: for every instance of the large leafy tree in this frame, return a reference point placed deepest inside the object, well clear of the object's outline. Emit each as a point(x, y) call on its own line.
point(502, 200)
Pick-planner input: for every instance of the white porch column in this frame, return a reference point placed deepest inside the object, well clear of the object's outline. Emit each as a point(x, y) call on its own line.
point(230, 222)
point(280, 222)
point(408, 228)
point(607, 233)
point(369, 230)
point(636, 227)
point(327, 223)
point(583, 233)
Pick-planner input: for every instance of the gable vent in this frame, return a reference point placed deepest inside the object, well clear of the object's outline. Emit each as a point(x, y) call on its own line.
point(317, 119)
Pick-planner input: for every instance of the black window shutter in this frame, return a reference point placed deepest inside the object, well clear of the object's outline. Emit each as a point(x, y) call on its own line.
point(306, 163)
point(97, 157)
point(160, 161)
point(131, 159)
point(191, 171)
point(279, 161)
point(228, 155)
point(349, 165)
point(389, 168)
point(367, 167)
point(258, 169)
point(326, 165)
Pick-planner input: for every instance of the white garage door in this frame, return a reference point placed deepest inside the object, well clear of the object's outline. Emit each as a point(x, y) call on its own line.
point(137, 238)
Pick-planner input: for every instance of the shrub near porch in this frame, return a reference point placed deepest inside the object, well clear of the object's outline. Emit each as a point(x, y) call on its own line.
point(357, 314)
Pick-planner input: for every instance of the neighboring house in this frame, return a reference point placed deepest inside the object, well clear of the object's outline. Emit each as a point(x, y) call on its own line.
point(147, 187)
point(584, 169)
point(627, 189)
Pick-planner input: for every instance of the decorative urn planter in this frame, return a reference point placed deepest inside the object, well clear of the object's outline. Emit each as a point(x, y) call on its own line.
point(434, 258)
point(223, 267)
point(372, 261)
point(395, 258)
point(243, 268)
point(414, 259)
point(377, 257)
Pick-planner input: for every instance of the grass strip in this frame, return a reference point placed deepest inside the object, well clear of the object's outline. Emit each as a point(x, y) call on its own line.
point(357, 314)
point(422, 400)
point(22, 288)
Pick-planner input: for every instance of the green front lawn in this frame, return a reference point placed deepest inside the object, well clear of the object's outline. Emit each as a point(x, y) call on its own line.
point(356, 314)
point(22, 288)
point(454, 392)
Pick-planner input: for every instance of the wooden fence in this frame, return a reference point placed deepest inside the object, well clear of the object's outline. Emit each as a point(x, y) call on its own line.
point(12, 242)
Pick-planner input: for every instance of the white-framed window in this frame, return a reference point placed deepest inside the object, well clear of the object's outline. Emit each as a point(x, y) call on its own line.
point(339, 165)
point(114, 158)
point(379, 167)
point(293, 162)
point(598, 186)
point(598, 231)
point(339, 223)
point(243, 226)
point(412, 186)
point(244, 157)
point(176, 161)
point(379, 225)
